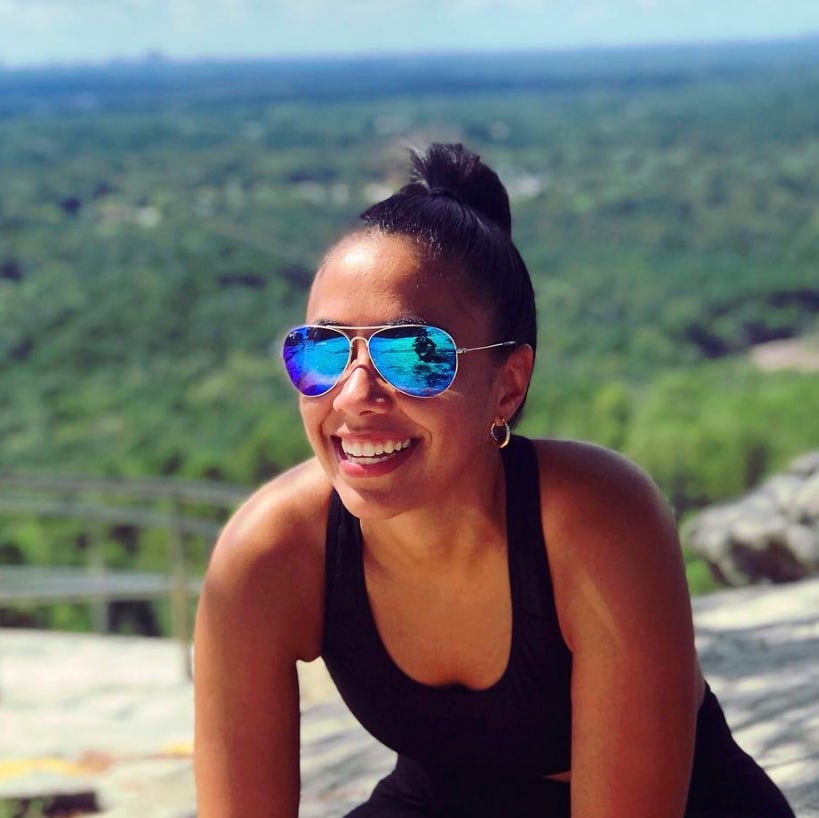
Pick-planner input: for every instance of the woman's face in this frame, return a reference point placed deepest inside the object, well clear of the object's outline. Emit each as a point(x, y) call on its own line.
point(386, 452)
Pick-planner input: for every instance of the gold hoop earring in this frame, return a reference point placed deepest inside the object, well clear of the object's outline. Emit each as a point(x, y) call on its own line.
point(500, 433)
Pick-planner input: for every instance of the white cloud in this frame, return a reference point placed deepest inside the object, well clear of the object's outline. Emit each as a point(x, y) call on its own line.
point(235, 9)
point(184, 14)
point(321, 9)
point(31, 14)
point(193, 15)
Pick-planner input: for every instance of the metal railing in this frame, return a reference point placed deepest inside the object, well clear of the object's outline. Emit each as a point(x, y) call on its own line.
point(153, 503)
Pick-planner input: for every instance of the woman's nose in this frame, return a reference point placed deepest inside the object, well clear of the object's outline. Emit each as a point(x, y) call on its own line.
point(361, 387)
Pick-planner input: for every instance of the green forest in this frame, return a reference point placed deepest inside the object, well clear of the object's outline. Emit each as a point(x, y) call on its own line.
point(160, 224)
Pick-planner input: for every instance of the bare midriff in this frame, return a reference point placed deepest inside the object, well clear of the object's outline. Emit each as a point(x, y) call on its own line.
point(566, 776)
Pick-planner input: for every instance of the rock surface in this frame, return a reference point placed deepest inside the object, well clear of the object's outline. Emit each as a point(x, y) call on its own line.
point(108, 721)
point(771, 534)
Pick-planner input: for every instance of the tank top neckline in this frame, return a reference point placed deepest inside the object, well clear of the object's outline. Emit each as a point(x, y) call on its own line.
point(513, 516)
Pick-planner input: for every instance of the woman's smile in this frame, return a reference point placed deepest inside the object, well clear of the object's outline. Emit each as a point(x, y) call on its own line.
point(368, 452)
point(371, 457)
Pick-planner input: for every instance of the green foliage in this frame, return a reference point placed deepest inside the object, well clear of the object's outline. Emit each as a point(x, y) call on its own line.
point(705, 432)
point(715, 431)
point(699, 577)
point(159, 228)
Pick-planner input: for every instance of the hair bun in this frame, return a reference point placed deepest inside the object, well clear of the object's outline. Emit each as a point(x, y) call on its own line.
point(454, 172)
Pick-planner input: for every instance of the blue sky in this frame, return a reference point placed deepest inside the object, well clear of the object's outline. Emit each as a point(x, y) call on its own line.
point(47, 31)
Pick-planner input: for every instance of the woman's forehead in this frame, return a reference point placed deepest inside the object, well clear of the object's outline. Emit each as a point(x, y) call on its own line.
point(378, 267)
point(375, 279)
point(372, 252)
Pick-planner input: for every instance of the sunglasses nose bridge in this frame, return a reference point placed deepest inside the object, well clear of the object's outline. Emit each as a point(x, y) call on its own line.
point(354, 338)
point(361, 384)
point(354, 354)
point(359, 355)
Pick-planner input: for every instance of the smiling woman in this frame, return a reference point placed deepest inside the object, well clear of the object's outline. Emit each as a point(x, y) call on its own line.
point(510, 616)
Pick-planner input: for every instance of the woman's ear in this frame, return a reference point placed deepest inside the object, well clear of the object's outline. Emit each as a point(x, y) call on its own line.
point(513, 380)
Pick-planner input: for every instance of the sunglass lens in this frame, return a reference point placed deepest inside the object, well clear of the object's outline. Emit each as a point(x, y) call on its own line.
point(419, 361)
point(315, 358)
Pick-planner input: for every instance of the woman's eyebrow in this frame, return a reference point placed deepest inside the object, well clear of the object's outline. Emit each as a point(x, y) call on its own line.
point(395, 322)
point(407, 319)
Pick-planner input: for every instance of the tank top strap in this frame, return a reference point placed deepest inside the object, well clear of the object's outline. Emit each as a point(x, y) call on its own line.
point(528, 565)
point(344, 593)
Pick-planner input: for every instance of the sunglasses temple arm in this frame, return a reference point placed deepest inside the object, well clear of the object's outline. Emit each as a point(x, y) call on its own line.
point(461, 350)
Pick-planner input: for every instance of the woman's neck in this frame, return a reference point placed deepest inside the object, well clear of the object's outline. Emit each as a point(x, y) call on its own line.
point(448, 535)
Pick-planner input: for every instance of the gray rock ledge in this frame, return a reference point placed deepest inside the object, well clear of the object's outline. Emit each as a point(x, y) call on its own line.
point(112, 717)
point(769, 535)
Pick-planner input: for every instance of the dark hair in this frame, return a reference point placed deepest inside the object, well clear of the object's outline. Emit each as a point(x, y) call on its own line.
point(457, 208)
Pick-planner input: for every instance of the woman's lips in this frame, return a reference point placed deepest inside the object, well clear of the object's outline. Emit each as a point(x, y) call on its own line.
point(370, 452)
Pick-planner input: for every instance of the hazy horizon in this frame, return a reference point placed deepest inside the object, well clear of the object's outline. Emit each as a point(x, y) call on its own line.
point(159, 58)
point(43, 33)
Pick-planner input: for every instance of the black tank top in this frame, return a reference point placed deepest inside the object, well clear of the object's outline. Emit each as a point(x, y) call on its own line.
point(522, 723)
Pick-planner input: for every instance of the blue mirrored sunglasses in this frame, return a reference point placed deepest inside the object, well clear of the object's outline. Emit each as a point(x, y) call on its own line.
point(416, 359)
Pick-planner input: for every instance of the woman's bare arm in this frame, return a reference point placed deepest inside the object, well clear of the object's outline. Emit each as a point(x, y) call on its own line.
point(625, 612)
point(260, 611)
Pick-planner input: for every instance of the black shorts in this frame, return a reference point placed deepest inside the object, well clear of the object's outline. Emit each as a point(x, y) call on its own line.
point(726, 781)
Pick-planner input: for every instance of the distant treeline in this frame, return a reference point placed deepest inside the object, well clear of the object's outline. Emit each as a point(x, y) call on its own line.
point(122, 84)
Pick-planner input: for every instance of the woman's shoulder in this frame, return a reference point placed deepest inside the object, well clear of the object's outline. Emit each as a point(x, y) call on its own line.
point(285, 515)
point(269, 559)
point(606, 522)
point(581, 479)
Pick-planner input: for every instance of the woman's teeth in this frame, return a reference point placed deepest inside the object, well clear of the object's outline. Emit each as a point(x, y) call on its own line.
point(368, 452)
